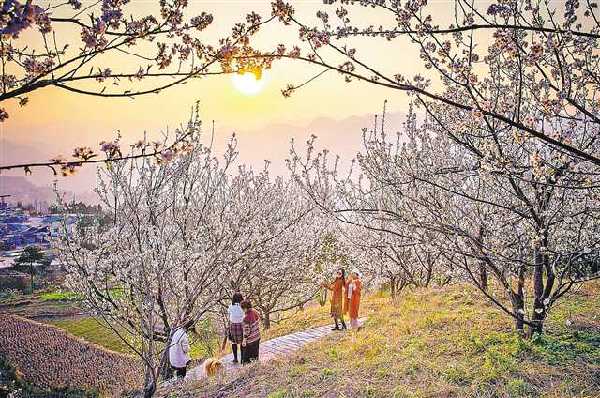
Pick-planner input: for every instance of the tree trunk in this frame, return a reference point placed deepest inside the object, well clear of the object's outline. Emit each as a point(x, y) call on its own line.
point(430, 264)
point(165, 370)
point(519, 324)
point(31, 276)
point(149, 383)
point(483, 277)
point(393, 288)
point(266, 321)
point(539, 310)
point(518, 305)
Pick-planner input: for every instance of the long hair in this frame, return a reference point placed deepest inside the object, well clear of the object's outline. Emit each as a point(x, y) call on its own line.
point(343, 271)
point(246, 304)
point(237, 298)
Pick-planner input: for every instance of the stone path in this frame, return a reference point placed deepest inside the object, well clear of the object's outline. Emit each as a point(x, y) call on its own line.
point(277, 347)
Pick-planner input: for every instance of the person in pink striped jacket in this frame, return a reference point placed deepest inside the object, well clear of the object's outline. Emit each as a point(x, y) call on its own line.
point(251, 325)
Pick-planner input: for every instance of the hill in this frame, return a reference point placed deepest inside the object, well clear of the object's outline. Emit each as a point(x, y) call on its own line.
point(444, 342)
point(23, 190)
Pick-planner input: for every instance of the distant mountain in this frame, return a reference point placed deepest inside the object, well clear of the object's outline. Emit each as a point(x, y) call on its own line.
point(24, 191)
point(13, 153)
point(343, 137)
point(271, 142)
point(82, 183)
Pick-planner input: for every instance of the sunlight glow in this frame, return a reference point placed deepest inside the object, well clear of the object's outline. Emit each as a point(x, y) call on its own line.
point(248, 84)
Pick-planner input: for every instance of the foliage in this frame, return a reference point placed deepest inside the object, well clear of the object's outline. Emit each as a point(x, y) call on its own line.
point(93, 331)
point(32, 261)
point(31, 255)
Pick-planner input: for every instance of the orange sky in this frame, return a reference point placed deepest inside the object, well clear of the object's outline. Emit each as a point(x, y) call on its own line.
point(55, 121)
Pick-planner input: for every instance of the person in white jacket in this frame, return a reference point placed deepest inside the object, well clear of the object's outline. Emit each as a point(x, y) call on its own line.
point(236, 329)
point(179, 352)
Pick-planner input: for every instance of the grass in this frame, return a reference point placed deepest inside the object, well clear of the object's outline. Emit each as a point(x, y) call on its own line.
point(90, 329)
point(204, 344)
point(93, 331)
point(314, 315)
point(431, 343)
point(59, 296)
point(65, 295)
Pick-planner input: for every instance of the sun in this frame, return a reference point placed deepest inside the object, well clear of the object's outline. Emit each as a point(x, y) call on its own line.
point(247, 83)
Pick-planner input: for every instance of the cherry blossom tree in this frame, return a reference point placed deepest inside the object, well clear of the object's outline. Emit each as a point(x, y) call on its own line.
point(544, 51)
point(396, 262)
point(185, 232)
point(155, 267)
point(504, 163)
point(492, 203)
point(179, 226)
point(282, 273)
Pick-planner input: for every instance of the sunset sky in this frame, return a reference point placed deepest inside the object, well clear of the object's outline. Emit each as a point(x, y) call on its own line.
point(55, 121)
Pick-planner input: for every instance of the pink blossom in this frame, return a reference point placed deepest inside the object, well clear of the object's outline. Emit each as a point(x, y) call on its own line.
point(202, 21)
point(103, 75)
point(84, 153)
point(167, 155)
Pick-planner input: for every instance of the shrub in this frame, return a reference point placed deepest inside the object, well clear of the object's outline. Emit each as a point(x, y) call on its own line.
point(518, 388)
point(278, 394)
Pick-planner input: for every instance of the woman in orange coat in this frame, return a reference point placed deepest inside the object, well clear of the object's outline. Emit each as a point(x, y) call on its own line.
point(337, 297)
point(354, 292)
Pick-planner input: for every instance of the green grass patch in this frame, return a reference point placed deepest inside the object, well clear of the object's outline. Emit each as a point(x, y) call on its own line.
point(518, 388)
point(568, 347)
point(91, 330)
point(59, 296)
point(203, 345)
point(278, 394)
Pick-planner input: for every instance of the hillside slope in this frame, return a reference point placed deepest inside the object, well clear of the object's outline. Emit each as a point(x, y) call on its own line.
point(53, 360)
point(432, 343)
